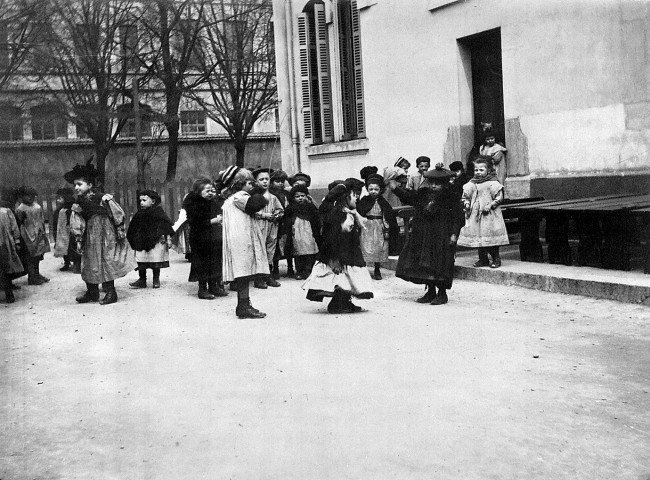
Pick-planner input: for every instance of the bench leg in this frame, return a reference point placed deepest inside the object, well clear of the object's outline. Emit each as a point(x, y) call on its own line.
point(530, 248)
point(616, 234)
point(645, 242)
point(591, 238)
point(557, 237)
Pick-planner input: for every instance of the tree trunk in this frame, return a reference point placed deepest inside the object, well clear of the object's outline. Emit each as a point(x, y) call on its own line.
point(101, 152)
point(240, 150)
point(172, 124)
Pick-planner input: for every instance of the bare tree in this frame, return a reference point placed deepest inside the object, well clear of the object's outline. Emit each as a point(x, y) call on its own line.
point(237, 52)
point(171, 29)
point(88, 72)
point(18, 27)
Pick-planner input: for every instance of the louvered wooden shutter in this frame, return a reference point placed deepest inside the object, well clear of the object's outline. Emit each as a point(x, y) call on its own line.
point(358, 71)
point(305, 78)
point(325, 90)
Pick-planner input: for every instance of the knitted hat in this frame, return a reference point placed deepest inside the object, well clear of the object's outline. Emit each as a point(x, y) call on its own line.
point(375, 179)
point(299, 188)
point(300, 176)
point(87, 172)
point(422, 159)
point(259, 170)
point(367, 171)
point(228, 175)
point(152, 194)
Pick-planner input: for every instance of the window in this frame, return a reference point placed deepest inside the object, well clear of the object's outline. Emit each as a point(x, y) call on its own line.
point(193, 122)
point(48, 123)
point(128, 130)
point(129, 45)
point(11, 123)
point(331, 115)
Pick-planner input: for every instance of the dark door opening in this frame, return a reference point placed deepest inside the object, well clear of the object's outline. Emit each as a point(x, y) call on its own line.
point(487, 83)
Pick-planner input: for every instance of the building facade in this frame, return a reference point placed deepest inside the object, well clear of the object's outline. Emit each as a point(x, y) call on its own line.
point(564, 85)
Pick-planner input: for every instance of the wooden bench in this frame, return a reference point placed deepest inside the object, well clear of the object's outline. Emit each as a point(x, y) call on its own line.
point(643, 214)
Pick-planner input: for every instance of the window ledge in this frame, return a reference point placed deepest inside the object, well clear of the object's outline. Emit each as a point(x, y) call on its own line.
point(338, 149)
point(436, 4)
point(361, 4)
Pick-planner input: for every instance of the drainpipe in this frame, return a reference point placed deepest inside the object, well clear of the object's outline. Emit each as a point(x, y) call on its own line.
point(295, 138)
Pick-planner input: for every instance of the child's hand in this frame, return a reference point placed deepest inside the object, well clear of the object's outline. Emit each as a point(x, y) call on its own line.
point(453, 239)
point(76, 208)
point(216, 220)
point(169, 242)
point(107, 197)
point(336, 266)
point(487, 209)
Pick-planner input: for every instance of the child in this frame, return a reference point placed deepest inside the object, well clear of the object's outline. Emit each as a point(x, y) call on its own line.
point(428, 255)
point(402, 163)
point(458, 179)
point(340, 271)
point(278, 178)
point(416, 180)
point(31, 221)
point(303, 223)
point(205, 218)
point(10, 265)
point(244, 244)
point(268, 219)
point(497, 153)
point(484, 226)
point(97, 223)
point(63, 247)
point(381, 224)
point(149, 234)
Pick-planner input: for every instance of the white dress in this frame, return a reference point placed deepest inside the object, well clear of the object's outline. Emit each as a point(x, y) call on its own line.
point(373, 244)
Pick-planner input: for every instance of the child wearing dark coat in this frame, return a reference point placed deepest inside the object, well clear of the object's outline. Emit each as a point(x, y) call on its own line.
point(278, 179)
point(11, 266)
point(428, 255)
point(381, 225)
point(31, 222)
point(149, 235)
point(304, 230)
point(340, 271)
point(205, 217)
point(63, 241)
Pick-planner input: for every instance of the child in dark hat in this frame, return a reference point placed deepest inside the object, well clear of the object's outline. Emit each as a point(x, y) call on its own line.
point(31, 221)
point(149, 234)
point(381, 224)
point(340, 271)
point(64, 245)
point(304, 231)
point(416, 180)
point(300, 177)
point(428, 255)
point(277, 188)
point(97, 223)
point(11, 266)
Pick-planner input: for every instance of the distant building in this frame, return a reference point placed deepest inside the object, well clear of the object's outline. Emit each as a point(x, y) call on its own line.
point(564, 84)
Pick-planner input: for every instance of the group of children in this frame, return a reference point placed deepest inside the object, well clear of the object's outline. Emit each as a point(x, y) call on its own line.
point(244, 222)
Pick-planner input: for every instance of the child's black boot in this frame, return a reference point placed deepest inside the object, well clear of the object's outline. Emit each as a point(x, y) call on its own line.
point(9, 294)
point(142, 281)
point(260, 283)
point(441, 298)
point(272, 282)
point(156, 278)
point(91, 295)
point(483, 260)
point(111, 294)
point(204, 293)
point(216, 289)
point(245, 309)
point(429, 295)
point(66, 264)
point(377, 274)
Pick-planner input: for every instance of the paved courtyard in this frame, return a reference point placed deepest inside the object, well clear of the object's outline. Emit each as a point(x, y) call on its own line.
point(501, 383)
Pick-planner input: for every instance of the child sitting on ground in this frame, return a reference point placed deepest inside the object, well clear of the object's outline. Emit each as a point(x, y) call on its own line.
point(269, 219)
point(340, 271)
point(303, 223)
point(381, 224)
point(63, 246)
point(31, 221)
point(149, 235)
point(484, 226)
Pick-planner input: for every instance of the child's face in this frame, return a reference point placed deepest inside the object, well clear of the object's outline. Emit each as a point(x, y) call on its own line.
point(82, 187)
point(263, 180)
point(489, 141)
point(278, 184)
point(423, 167)
point(59, 201)
point(208, 192)
point(480, 170)
point(146, 201)
point(300, 197)
point(248, 186)
point(404, 164)
point(435, 185)
point(373, 190)
point(352, 199)
point(27, 199)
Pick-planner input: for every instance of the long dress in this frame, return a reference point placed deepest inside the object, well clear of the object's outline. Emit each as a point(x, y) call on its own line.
point(270, 229)
point(374, 244)
point(106, 252)
point(32, 230)
point(205, 238)
point(428, 255)
point(10, 264)
point(244, 244)
point(340, 243)
point(483, 230)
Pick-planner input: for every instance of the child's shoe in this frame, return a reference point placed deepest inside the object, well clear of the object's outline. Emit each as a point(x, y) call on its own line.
point(156, 283)
point(496, 262)
point(428, 296)
point(377, 275)
point(441, 298)
point(140, 283)
point(204, 293)
point(260, 283)
point(110, 297)
point(88, 297)
point(9, 295)
point(217, 290)
point(481, 263)
point(245, 310)
point(272, 282)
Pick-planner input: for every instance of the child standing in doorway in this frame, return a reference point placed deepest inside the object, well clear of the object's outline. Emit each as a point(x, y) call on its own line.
point(497, 153)
point(484, 226)
point(32, 230)
point(149, 234)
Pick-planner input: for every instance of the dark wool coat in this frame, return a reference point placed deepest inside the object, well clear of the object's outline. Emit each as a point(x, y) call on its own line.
point(428, 256)
point(339, 245)
point(206, 239)
point(146, 228)
point(365, 204)
point(306, 211)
